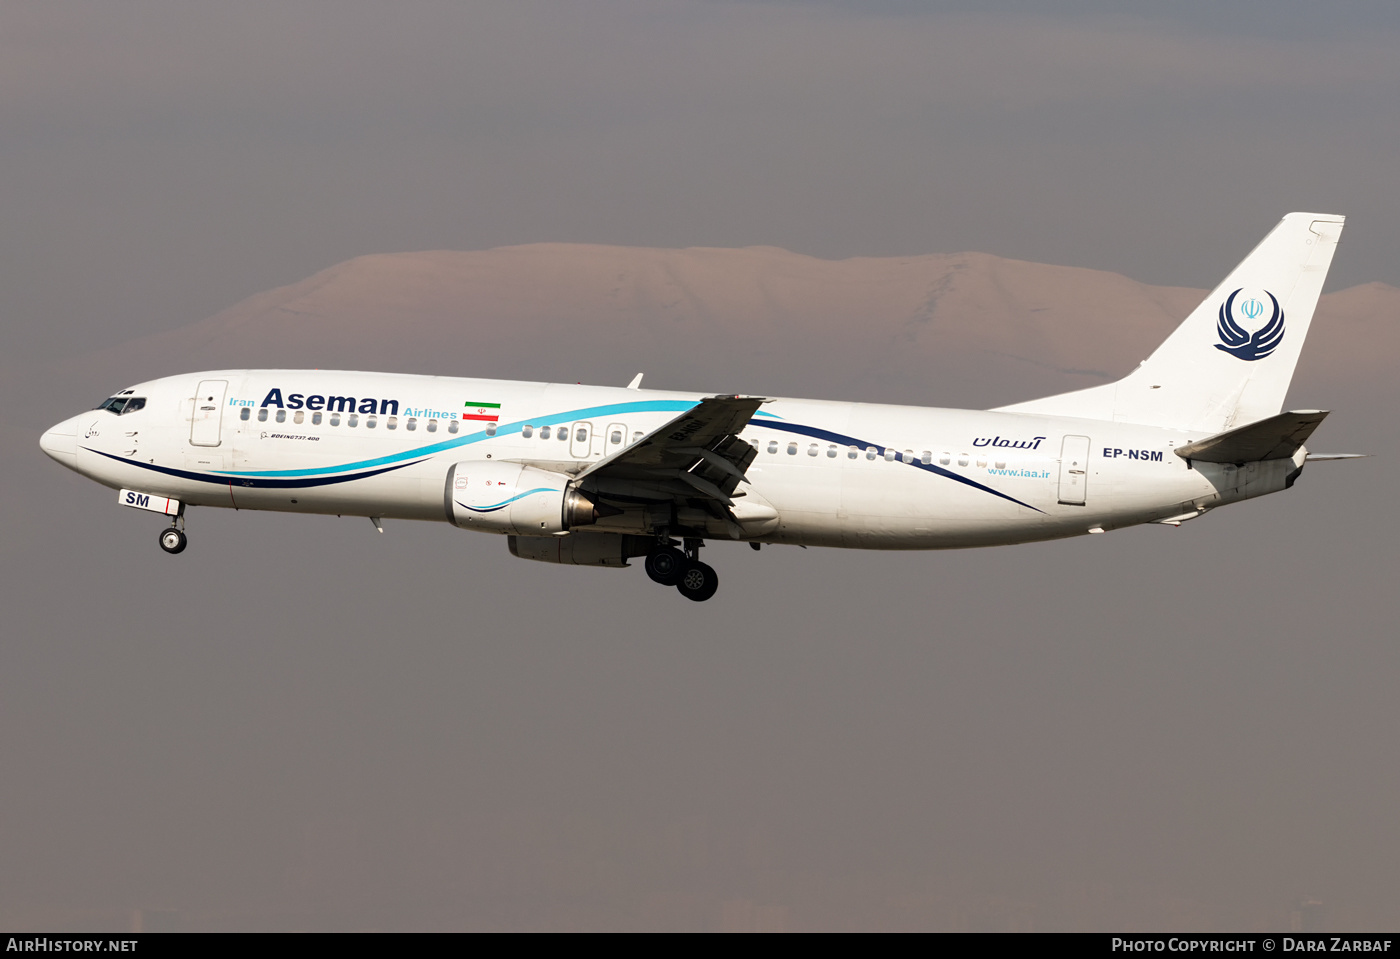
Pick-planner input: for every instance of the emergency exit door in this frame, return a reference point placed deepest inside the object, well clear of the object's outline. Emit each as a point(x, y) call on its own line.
point(1074, 470)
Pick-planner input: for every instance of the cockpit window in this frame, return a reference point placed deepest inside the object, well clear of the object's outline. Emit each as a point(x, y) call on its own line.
point(122, 404)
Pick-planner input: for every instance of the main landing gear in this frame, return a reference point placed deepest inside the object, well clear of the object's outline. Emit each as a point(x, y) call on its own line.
point(173, 539)
point(671, 567)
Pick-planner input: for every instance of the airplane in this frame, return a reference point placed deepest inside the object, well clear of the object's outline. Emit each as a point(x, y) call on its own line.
point(596, 476)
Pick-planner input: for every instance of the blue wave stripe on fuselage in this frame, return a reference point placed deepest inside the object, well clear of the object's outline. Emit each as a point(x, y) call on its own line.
point(252, 482)
point(504, 503)
point(843, 440)
point(504, 429)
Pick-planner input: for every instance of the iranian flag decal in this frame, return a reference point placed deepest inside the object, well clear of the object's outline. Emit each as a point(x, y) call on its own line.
point(485, 412)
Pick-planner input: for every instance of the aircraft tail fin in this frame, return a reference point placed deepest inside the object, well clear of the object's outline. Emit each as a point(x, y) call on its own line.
point(1232, 359)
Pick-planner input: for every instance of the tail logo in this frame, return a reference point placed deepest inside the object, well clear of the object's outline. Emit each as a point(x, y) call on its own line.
point(1239, 342)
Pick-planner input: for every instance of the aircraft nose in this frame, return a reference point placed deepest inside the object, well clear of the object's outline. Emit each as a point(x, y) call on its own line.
point(61, 442)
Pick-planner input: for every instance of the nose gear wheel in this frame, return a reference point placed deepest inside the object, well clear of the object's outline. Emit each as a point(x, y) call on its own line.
point(173, 540)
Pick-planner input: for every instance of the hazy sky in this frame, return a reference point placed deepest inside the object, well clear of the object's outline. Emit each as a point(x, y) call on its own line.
point(303, 724)
point(162, 161)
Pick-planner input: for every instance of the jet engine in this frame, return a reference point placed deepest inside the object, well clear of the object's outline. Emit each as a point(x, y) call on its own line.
point(510, 498)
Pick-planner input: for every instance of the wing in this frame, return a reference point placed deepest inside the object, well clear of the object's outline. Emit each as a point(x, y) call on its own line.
point(697, 460)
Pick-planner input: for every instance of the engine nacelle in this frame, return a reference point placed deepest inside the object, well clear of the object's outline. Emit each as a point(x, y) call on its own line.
point(510, 498)
point(582, 549)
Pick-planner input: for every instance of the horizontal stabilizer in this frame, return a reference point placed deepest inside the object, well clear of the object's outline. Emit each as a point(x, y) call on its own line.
point(1275, 438)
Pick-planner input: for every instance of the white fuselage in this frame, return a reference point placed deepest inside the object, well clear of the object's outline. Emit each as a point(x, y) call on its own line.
point(826, 473)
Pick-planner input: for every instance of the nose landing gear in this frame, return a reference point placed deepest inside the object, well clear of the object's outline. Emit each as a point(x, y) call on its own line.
point(669, 566)
point(173, 539)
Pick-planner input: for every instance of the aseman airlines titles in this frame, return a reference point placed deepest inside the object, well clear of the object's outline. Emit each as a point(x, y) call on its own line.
point(595, 476)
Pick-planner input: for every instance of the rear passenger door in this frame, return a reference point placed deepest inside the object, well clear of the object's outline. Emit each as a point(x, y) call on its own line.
point(1074, 470)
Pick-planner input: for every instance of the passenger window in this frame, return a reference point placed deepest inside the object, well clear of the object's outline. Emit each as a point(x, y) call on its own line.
point(870, 453)
point(352, 420)
point(528, 431)
point(908, 456)
point(452, 428)
point(792, 449)
point(945, 459)
point(1001, 464)
point(962, 459)
point(432, 426)
point(299, 417)
point(490, 428)
point(636, 436)
point(335, 419)
point(371, 421)
point(411, 424)
point(262, 415)
point(544, 432)
point(281, 416)
point(831, 451)
point(392, 423)
point(889, 456)
point(246, 413)
point(316, 418)
point(615, 438)
point(926, 458)
point(981, 461)
point(812, 450)
point(772, 446)
point(852, 452)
